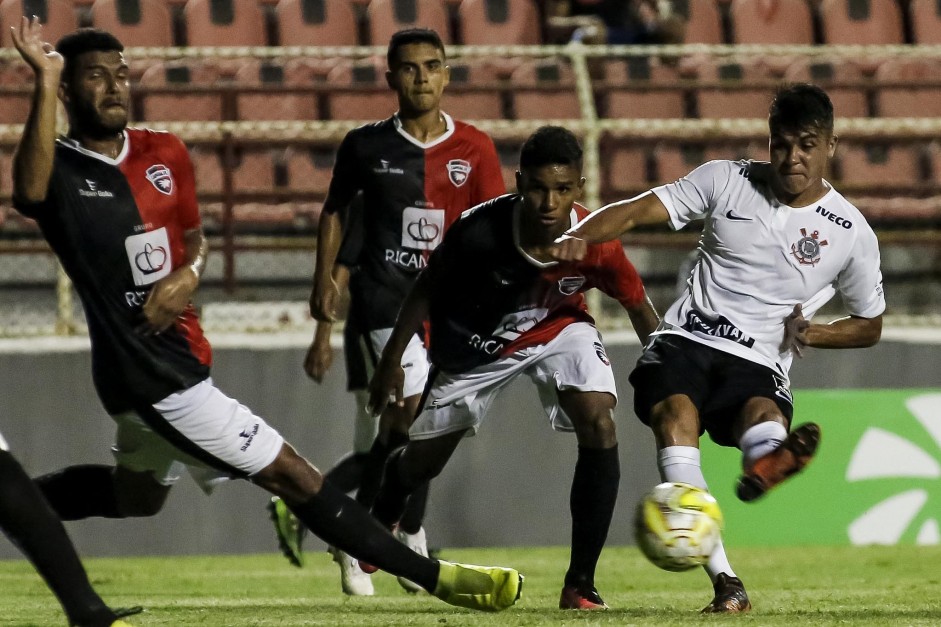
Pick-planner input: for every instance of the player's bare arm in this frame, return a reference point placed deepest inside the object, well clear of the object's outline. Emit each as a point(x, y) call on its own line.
point(171, 294)
point(608, 223)
point(848, 332)
point(319, 356)
point(326, 294)
point(32, 163)
point(644, 319)
point(389, 378)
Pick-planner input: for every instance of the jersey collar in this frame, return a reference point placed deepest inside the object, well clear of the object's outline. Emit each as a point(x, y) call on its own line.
point(449, 130)
point(517, 210)
point(68, 142)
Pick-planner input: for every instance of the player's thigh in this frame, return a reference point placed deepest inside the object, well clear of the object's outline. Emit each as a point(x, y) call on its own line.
point(672, 376)
point(425, 459)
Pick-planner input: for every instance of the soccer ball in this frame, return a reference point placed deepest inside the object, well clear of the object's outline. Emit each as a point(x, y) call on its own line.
point(677, 526)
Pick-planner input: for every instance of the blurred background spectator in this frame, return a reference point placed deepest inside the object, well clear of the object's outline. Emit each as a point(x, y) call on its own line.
point(614, 21)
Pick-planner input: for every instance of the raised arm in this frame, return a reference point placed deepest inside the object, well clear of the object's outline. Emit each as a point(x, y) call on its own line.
point(608, 223)
point(32, 163)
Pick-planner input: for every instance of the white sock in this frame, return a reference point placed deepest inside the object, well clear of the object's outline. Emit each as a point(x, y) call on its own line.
point(682, 464)
point(760, 440)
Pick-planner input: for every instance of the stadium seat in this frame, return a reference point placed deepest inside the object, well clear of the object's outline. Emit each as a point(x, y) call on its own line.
point(836, 76)
point(861, 22)
point(926, 21)
point(135, 22)
point(908, 88)
point(673, 161)
point(877, 165)
point(207, 167)
point(358, 91)
point(18, 78)
point(165, 97)
point(771, 22)
point(474, 92)
point(703, 21)
point(733, 88)
point(625, 167)
point(499, 22)
point(642, 87)
point(254, 169)
point(57, 17)
point(543, 90)
point(310, 168)
point(224, 23)
point(316, 23)
point(264, 91)
point(388, 16)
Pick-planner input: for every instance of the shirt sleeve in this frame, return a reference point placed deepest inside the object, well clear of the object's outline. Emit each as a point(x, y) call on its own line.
point(343, 184)
point(490, 182)
point(860, 281)
point(188, 212)
point(615, 275)
point(693, 196)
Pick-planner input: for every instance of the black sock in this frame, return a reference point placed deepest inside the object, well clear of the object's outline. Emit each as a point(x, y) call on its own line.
point(341, 522)
point(348, 472)
point(79, 492)
point(415, 509)
point(392, 500)
point(375, 464)
point(32, 526)
point(594, 493)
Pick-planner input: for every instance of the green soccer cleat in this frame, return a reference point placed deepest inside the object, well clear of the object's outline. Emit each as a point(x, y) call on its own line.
point(486, 588)
point(289, 529)
point(121, 623)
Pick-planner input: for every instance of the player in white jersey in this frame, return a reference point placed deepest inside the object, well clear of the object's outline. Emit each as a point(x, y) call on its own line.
point(777, 244)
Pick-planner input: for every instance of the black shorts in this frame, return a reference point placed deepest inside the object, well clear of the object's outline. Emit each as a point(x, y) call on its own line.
point(718, 383)
point(354, 353)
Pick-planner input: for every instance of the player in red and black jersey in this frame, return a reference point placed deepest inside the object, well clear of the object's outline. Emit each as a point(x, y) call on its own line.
point(499, 310)
point(118, 207)
point(418, 171)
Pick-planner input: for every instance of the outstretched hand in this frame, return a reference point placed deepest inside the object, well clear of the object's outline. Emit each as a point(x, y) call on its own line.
point(795, 327)
point(567, 248)
point(167, 300)
point(318, 360)
point(40, 55)
point(324, 301)
point(387, 383)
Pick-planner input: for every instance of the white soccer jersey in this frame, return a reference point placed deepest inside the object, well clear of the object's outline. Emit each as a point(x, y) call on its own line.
point(759, 257)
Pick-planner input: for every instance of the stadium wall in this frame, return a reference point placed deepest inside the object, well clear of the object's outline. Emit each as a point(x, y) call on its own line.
point(508, 486)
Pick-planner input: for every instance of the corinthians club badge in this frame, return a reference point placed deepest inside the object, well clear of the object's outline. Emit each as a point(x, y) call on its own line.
point(807, 249)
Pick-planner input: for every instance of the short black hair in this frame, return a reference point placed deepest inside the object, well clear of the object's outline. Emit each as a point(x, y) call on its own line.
point(551, 145)
point(800, 106)
point(85, 40)
point(412, 36)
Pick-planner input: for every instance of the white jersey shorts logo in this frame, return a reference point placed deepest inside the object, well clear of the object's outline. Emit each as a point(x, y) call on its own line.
point(149, 256)
point(422, 229)
point(160, 177)
point(458, 171)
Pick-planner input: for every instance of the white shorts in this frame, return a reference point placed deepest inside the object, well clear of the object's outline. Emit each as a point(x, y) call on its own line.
point(199, 429)
point(574, 360)
point(414, 360)
point(3, 444)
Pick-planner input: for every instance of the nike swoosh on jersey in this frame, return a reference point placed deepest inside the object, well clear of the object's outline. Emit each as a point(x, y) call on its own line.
point(733, 216)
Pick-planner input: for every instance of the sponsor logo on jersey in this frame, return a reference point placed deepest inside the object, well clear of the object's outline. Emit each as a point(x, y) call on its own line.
point(721, 327)
point(249, 435)
point(458, 171)
point(93, 191)
point(571, 284)
point(422, 229)
point(832, 217)
point(149, 256)
point(386, 168)
point(807, 249)
point(731, 215)
point(407, 259)
point(490, 346)
point(159, 176)
point(602, 355)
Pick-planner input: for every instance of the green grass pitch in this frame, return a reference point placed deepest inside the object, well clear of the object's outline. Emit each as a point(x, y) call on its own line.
point(818, 586)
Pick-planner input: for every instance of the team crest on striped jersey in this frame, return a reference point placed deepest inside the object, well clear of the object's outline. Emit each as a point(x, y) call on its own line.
point(458, 171)
point(159, 176)
point(571, 284)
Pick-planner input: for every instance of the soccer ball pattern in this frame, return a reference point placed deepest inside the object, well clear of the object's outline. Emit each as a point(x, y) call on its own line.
point(677, 526)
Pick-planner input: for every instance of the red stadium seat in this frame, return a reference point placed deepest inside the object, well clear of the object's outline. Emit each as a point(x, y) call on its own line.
point(254, 169)
point(310, 169)
point(135, 22)
point(703, 21)
point(544, 89)
point(771, 22)
point(163, 103)
point(224, 23)
point(474, 92)
point(269, 97)
point(57, 17)
point(15, 108)
point(909, 88)
point(642, 87)
point(625, 168)
point(388, 16)
point(878, 165)
point(926, 21)
point(833, 76)
point(499, 22)
point(207, 168)
point(316, 23)
point(358, 91)
point(861, 22)
point(736, 90)
point(674, 161)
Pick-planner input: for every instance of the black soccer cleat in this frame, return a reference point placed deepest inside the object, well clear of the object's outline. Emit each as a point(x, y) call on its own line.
point(786, 460)
point(730, 596)
point(581, 598)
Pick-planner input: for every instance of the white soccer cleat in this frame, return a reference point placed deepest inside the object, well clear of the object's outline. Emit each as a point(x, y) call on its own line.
point(352, 579)
point(418, 543)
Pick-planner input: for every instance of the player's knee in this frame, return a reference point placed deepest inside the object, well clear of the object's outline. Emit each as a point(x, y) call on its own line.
point(673, 422)
point(290, 476)
point(596, 429)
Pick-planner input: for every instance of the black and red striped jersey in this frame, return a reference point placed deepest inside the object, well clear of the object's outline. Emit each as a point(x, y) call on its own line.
point(117, 226)
point(412, 192)
point(489, 298)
